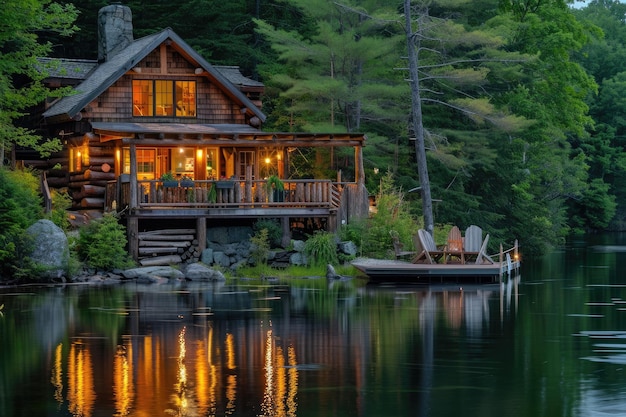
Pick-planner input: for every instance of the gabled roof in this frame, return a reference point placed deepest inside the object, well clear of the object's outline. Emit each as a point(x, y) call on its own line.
point(73, 69)
point(108, 72)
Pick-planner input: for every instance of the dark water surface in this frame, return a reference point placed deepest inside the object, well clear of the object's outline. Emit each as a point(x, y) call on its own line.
point(552, 343)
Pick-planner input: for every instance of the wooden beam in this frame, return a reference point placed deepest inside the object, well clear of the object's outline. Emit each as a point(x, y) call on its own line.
point(133, 241)
point(201, 233)
point(133, 177)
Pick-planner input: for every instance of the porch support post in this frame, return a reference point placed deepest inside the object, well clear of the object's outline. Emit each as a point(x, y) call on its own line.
point(133, 237)
point(133, 177)
point(359, 175)
point(286, 240)
point(201, 233)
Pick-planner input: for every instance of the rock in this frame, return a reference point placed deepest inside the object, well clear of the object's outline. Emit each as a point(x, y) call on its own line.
point(152, 274)
point(334, 276)
point(330, 272)
point(50, 248)
point(200, 272)
point(298, 245)
point(348, 248)
point(225, 235)
point(207, 256)
point(297, 258)
point(221, 259)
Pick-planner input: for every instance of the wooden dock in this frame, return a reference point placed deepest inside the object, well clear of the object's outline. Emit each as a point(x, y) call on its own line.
point(425, 273)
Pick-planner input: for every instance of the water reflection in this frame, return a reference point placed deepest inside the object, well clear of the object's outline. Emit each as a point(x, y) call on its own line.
point(123, 386)
point(81, 395)
point(344, 349)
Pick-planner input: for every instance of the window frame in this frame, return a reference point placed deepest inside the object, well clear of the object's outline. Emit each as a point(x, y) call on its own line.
point(156, 97)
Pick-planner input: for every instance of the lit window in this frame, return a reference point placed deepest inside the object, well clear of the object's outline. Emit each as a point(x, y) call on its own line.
point(145, 163)
point(142, 98)
point(185, 98)
point(157, 98)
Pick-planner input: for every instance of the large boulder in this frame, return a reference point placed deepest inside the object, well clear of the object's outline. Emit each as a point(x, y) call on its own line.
point(153, 274)
point(50, 249)
point(200, 272)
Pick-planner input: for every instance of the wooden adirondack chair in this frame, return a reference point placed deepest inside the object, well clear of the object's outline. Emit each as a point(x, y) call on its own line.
point(473, 239)
point(398, 247)
point(427, 249)
point(454, 248)
point(482, 256)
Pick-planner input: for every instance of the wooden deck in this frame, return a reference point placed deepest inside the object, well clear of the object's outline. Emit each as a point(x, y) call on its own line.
point(425, 273)
point(302, 205)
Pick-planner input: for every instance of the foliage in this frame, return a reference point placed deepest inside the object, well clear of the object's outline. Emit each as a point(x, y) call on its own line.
point(392, 213)
point(102, 244)
point(274, 230)
point(212, 196)
point(274, 183)
point(321, 249)
point(20, 207)
point(260, 247)
point(167, 176)
point(61, 202)
point(605, 59)
point(21, 23)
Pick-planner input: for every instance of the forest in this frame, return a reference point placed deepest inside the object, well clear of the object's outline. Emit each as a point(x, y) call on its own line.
point(522, 102)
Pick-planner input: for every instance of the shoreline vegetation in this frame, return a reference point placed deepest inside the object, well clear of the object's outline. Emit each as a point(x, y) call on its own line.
point(97, 251)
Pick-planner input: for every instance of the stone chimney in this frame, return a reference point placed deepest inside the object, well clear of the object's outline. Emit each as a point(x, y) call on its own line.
point(115, 30)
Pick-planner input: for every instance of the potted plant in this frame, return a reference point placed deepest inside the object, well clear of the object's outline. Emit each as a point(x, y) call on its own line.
point(186, 181)
point(275, 188)
point(168, 180)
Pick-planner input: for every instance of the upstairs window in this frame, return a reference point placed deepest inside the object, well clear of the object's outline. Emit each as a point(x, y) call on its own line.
point(163, 98)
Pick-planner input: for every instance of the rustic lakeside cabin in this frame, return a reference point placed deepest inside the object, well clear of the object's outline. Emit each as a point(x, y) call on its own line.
point(158, 134)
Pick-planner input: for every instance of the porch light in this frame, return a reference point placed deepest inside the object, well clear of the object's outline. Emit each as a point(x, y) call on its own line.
point(267, 161)
point(199, 153)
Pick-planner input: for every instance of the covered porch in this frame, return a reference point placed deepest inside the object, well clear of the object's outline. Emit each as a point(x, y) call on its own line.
point(225, 175)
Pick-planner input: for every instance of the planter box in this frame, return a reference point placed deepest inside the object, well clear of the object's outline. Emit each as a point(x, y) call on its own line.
point(279, 196)
point(186, 183)
point(225, 184)
point(170, 184)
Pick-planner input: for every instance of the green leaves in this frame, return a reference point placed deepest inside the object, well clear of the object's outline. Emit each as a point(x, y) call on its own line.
point(21, 22)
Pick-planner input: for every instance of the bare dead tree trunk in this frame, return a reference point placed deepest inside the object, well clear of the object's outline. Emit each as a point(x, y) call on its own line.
point(416, 113)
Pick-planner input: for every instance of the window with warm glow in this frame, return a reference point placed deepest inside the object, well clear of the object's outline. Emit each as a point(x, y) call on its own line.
point(145, 163)
point(185, 98)
point(164, 98)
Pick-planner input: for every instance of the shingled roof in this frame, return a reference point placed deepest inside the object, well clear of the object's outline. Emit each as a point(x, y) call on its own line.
point(103, 75)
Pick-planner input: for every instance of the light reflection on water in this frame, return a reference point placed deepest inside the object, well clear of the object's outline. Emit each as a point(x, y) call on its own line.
point(552, 344)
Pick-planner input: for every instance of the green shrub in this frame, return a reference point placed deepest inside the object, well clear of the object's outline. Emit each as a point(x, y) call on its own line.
point(61, 201)
point(260, 247)
point(274, 230)
point(102, 244)
point(321, 249)
point(392, 214)
point(20, 207)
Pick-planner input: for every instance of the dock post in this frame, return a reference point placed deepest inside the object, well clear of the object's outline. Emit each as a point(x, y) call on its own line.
point(500, 256)
point(133, 237)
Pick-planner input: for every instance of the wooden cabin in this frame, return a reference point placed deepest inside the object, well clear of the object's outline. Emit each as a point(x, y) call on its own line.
point(153, 108)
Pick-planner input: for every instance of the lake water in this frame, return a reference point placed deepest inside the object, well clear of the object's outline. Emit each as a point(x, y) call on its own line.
point(550, 343)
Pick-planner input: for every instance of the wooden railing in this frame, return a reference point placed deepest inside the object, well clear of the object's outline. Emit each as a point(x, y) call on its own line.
point(232, 194)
